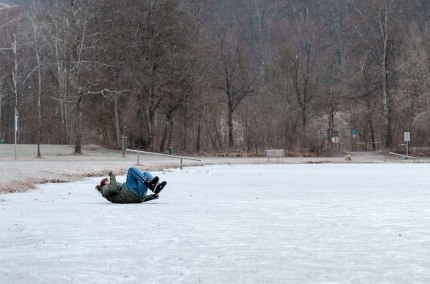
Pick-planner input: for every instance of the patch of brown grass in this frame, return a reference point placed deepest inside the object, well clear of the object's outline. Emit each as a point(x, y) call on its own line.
point(17, 186)
point(31, 183)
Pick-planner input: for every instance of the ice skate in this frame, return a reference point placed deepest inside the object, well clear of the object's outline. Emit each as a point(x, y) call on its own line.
point(152, 184)
point(150, 197)
point(160, 187)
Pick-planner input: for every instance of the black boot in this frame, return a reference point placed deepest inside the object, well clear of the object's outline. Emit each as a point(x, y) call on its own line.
point(150, 197)
point(160, 187)
point(152, 184)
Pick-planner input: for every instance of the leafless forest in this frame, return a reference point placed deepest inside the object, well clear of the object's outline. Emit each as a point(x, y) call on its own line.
point(215, 75)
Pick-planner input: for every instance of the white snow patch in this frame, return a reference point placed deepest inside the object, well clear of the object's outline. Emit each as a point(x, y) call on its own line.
point(325, 223)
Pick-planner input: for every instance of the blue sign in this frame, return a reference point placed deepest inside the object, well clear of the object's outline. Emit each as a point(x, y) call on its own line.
point(354, 133)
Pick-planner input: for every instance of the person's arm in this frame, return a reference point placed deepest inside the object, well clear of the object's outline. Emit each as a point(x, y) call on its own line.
point(112, 178)
point(111, 188)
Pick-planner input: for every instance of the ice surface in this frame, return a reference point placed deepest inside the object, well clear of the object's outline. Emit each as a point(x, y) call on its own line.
point(324, 223)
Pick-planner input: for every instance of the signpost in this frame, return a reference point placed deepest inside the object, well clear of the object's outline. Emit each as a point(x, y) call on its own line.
point(407, 139)
point(354, 134)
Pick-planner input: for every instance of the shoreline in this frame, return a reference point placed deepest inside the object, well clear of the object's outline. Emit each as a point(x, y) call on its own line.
point(59, 165)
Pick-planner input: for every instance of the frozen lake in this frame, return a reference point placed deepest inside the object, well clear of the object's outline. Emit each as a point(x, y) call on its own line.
point(324, 223)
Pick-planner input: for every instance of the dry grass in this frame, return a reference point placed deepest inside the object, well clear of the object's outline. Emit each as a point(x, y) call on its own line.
point(17, 186)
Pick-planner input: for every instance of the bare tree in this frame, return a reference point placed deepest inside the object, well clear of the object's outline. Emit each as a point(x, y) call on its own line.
point(35, 14)
point(78, 39)
point(414, 94)
point(201, 75)
point(57, 38)
point(383, 18)
point(8, 45)
point(374, 26)
point(236, 73)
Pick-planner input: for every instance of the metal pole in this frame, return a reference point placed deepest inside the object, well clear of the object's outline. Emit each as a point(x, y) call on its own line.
point(123, 141)
point(123, 146)
point(138, 158)
point(181, 164)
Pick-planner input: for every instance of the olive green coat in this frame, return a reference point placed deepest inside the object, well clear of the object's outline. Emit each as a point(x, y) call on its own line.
point(117, 192)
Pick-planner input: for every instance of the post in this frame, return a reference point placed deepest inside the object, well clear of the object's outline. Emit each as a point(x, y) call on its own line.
point(407, 138)
point(123, 145)
point(181, 163)
point(16, 128)
point(138, 159)
point(123, 140)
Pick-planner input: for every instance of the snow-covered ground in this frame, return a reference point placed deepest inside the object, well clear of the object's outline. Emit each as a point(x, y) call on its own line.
point(319, 223)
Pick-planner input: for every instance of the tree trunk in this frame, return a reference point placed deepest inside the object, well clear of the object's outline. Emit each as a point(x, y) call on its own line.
point(166, 135)
point(330, 125)
point(230, 127)
point(372, 133)
point(39, 92)
point(150, 114)
point(62, 95)
point(116, 122)
point(1, 108)
point(186, 130)
point(39, 113)
point(304, 117)
point(300, 95)
point(217, 136)
point(199, 131)
point(170, 132)
point(15, 88)
point(384, 76)
point(78, 128)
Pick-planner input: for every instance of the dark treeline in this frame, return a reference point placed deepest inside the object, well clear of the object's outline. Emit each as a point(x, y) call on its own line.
point(203, 75)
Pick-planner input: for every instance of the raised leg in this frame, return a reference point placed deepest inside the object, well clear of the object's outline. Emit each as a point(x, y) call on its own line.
point(136, 180)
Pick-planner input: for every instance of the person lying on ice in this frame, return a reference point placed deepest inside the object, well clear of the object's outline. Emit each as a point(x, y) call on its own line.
point(133, 190)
